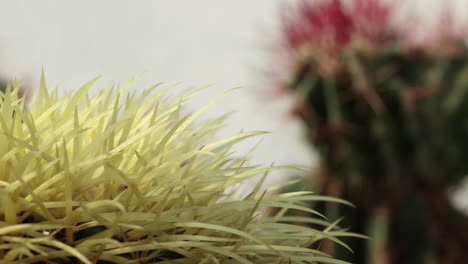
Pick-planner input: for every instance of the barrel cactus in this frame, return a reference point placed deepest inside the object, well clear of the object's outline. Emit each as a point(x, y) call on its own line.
point(123, 177)
point(387, 114)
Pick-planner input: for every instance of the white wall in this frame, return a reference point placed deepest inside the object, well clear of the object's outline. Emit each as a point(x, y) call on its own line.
point(198, 42)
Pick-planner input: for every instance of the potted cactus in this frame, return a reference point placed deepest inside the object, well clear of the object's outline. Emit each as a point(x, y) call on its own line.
point(387, 113)
point(122, 177)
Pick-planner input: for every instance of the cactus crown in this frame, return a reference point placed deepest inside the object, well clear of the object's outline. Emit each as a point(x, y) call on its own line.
point(123, 178)
point(383, 108)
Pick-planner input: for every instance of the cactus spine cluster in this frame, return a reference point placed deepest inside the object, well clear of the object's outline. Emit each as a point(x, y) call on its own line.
point(122, 177)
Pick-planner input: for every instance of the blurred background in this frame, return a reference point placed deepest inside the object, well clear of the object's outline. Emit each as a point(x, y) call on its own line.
point(224, 44)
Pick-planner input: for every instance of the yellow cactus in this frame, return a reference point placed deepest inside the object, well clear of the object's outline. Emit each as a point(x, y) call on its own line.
point(123, 178)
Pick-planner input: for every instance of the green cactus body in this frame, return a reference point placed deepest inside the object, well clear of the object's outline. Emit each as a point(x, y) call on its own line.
point(389, 123)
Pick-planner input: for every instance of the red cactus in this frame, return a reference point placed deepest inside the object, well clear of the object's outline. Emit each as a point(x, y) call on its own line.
point(375, 82)
point(315, 21)
point(371, 19)
point(329, 24)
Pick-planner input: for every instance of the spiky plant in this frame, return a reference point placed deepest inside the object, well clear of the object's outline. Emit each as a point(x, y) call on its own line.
point(386, 113)
point(124, 178)
point(2, 86)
